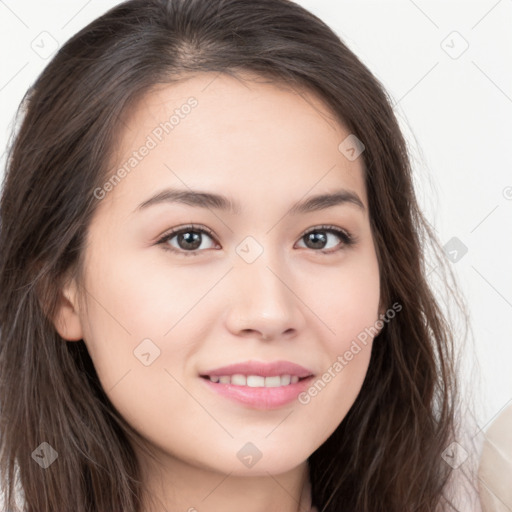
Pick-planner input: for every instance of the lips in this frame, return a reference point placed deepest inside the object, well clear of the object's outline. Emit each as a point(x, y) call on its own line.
point(259, 385)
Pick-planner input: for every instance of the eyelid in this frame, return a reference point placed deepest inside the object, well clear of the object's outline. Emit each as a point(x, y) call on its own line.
point(191, 227)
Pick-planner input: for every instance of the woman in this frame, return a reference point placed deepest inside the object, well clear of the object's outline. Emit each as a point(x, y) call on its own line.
point(214, 292)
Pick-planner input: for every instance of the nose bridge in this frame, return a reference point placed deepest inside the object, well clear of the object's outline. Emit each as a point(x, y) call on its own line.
point(264, 300)
point(263, 280)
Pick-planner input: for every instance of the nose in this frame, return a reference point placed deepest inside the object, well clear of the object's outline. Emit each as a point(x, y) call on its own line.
point(263, 301)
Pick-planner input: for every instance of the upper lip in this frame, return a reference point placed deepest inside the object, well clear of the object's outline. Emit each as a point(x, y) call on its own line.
point(260, 368)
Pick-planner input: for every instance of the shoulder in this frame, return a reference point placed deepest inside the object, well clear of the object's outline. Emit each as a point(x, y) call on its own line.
point(495, 470)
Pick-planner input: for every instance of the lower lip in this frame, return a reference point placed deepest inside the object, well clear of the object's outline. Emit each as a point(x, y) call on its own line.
point(261, 397)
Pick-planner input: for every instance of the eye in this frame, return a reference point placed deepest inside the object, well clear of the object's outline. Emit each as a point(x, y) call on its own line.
point(320, 237)
point(188, 240)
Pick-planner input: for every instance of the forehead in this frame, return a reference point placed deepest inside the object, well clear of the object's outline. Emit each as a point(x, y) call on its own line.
point(240, 136)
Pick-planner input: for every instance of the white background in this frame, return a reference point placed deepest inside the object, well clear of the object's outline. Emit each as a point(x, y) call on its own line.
point(456, 113)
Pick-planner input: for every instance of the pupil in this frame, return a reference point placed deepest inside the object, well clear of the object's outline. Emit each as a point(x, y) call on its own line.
point(318, 240)
point(192, 240)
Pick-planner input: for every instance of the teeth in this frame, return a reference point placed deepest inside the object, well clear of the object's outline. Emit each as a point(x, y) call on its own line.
point(273, 382)
point(237, 380)
point(256, 381)
point(286, 380)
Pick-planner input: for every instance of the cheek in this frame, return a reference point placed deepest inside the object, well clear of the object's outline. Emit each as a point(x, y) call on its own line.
point(347, 300)
point(140, 368)
point(130, 299)
point(139, 313)
point(152, 297)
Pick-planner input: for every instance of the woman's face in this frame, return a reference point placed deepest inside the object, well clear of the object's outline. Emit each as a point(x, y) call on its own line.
point(261, 282)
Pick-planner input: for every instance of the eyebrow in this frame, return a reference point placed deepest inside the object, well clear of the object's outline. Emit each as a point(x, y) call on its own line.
point(209, 200)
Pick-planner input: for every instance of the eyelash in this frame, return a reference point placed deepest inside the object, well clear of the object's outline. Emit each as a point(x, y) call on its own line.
point(347, 239)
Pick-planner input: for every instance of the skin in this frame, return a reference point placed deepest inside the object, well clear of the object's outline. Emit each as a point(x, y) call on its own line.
point(265, 146)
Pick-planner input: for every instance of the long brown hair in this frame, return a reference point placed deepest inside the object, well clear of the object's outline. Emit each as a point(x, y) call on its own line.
point(386, 453)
